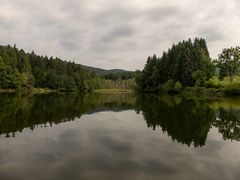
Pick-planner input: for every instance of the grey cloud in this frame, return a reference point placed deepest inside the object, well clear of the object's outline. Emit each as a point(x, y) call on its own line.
point(211, 34)
point(113, 39)
point(116, 34)
point(161, 13)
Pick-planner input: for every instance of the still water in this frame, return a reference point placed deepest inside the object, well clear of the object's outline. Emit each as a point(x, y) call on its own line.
point(118, 136)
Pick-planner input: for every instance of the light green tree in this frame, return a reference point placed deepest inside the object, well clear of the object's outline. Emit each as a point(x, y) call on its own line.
point(229, 61)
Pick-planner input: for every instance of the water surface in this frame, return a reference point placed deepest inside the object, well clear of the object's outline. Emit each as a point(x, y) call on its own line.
point(118, 136)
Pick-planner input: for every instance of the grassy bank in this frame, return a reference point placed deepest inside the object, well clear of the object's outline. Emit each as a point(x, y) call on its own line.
point(200, 91)
point(113, 91)
point(215, 87)
point(7, 90)
point(25, 91)
point(46, 90)
point(42, 90)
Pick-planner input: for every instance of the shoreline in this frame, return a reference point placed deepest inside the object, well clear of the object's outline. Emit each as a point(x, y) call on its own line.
point(200, 92)
point(113, 91)
point(188, 91)
point(7, 90)
point(31, 91)
point(211, 92)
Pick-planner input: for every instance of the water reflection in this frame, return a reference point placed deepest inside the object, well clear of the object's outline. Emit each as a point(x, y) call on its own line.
point(118, 136)
point(228, 123)
point(18, 112)
point(185, 120)
point(188, 120)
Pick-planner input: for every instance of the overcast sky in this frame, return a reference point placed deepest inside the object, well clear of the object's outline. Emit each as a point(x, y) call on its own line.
point(116, 33)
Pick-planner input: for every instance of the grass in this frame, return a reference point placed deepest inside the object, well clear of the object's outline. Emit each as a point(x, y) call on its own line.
point(226, 86)
point(7, 90)
point(225, 83)
point(42, 90)
point(215, 87)
point(113, 91)
point(26, 91)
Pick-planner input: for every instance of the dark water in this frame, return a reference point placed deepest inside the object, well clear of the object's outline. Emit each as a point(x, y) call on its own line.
point(118, 136)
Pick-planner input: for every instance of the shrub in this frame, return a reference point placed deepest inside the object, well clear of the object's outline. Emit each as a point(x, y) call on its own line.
point(212, 84)
point(199, 77)
point(168, 86)
point(233, 89)
point(177, 86)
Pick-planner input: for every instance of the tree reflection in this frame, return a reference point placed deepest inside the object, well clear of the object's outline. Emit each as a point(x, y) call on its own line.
point(18, 112)
point(185, 121)
point(228, 123)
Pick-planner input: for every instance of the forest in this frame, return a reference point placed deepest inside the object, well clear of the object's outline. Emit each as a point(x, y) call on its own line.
point(22, 70)
point(188, 64)
point(185, 65)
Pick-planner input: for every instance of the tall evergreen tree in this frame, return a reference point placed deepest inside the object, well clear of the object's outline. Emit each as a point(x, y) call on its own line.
point(187, 62)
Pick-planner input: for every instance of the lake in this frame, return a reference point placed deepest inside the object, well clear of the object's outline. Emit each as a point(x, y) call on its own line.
point(118, 136)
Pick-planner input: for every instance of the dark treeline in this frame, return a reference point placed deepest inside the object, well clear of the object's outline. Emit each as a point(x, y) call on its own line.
point(112, 74)
point(186, 64)
point(19, 69)
point(119, 76)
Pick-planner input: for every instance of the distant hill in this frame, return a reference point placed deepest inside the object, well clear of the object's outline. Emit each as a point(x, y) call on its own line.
point(103, 72)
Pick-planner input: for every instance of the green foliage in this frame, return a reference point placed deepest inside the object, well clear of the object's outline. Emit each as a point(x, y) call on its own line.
point(118, 84)
point(119, 76)
point(233, 89)
point(224, 83)
point(229, 62)
point(19, 69)
point(168, 86)
point(9, 77)
point(213, 83)
point(177, 86)
point(187, 62)
point(206, 65)
point(199, 77)
point(104, 72)
point(88, 85)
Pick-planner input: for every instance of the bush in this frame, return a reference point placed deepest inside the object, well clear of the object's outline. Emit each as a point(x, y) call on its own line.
point(177, 86)
point(213, 83)
point(199, 77)
point(168, 86)
point(233, 89)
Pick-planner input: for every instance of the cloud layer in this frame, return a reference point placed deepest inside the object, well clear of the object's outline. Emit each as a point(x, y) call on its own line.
point(116, 34)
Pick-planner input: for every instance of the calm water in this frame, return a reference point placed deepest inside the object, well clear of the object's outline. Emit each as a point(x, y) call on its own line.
point(118, 136)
